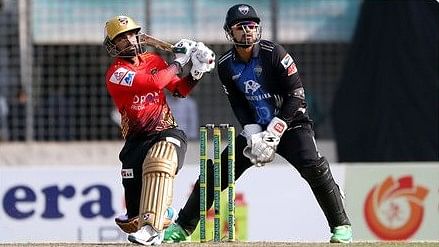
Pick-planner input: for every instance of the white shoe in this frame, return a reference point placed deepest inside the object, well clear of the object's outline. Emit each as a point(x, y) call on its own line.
point(146, 236)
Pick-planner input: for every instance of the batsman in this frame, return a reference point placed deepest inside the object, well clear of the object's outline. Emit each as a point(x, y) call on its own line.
point(154, 148)
point(266, 94)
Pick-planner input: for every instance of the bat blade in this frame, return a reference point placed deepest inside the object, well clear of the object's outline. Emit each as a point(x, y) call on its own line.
point(156, 43)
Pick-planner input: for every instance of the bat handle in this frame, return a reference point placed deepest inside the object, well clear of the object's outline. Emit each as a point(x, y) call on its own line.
point(178, 49)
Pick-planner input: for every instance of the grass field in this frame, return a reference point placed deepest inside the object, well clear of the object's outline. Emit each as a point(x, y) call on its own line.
point(236, 244)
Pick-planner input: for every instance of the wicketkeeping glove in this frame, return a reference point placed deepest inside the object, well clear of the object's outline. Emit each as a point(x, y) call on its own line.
point(264, 144)
point(203, 60)
point(249, 131)
point(183, 50)
point(253, 159)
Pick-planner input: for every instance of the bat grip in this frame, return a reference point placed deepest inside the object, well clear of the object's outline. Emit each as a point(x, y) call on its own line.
point(178, 49)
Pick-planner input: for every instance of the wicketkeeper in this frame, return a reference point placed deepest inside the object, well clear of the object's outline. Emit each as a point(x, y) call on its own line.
point(263, 86)
point(154, 147)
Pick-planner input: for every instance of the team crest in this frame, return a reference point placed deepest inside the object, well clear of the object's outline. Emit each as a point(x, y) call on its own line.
point(123, 20)
point(243, 9)
point(258, 70)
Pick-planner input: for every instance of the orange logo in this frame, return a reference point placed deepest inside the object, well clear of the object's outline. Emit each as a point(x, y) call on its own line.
point(394, 209)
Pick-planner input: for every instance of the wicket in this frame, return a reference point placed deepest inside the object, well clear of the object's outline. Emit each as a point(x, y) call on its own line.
point(217, 180)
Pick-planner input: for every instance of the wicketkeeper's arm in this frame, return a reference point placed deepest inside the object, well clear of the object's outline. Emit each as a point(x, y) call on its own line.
point(290, 84)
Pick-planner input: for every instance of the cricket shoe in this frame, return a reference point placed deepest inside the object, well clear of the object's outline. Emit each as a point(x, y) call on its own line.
point(342, 234)
point(176, 234)
point(147, 235)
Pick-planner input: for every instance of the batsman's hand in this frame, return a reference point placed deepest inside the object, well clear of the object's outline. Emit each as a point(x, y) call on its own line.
point(203, 60)
point(183, 50)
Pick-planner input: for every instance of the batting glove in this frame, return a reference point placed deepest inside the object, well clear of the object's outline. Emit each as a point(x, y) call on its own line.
point(203, 60)
point(183, 50)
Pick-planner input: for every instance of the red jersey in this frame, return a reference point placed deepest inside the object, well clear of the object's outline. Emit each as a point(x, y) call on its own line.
point(138, 92)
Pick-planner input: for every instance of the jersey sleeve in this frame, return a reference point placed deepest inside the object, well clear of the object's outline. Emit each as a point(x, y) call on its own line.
point(291, 88)
point(181, 87)
point(239, 104)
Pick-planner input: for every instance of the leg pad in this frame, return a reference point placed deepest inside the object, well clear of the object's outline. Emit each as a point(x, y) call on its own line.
point(159, 170)
point(326, 191)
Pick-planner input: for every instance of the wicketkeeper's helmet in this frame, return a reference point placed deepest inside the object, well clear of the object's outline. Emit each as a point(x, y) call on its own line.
point(241, 13)
point(238, 13)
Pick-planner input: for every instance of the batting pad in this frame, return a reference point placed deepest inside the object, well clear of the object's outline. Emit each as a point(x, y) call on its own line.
point(159, 170)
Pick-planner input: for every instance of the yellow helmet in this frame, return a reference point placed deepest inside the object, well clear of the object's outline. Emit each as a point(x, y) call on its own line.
point(118, 25)
point(114, 27)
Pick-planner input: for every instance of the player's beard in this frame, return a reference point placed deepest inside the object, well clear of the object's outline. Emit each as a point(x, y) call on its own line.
point(246, 40)
point(128, 52)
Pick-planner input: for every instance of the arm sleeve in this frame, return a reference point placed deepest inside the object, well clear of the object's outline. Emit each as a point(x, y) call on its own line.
point(290, 85)
point(239, 104)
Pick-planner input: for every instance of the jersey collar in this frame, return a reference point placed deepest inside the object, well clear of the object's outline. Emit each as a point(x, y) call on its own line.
point(255, 52)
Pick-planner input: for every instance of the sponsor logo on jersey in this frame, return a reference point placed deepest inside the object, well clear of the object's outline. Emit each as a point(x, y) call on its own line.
point(287, 61)
point(292, 69)
point(128, 79)
point(258, 97)
point(251, 86)
point(146, 99)
point(123, 77)
point(118, 75)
